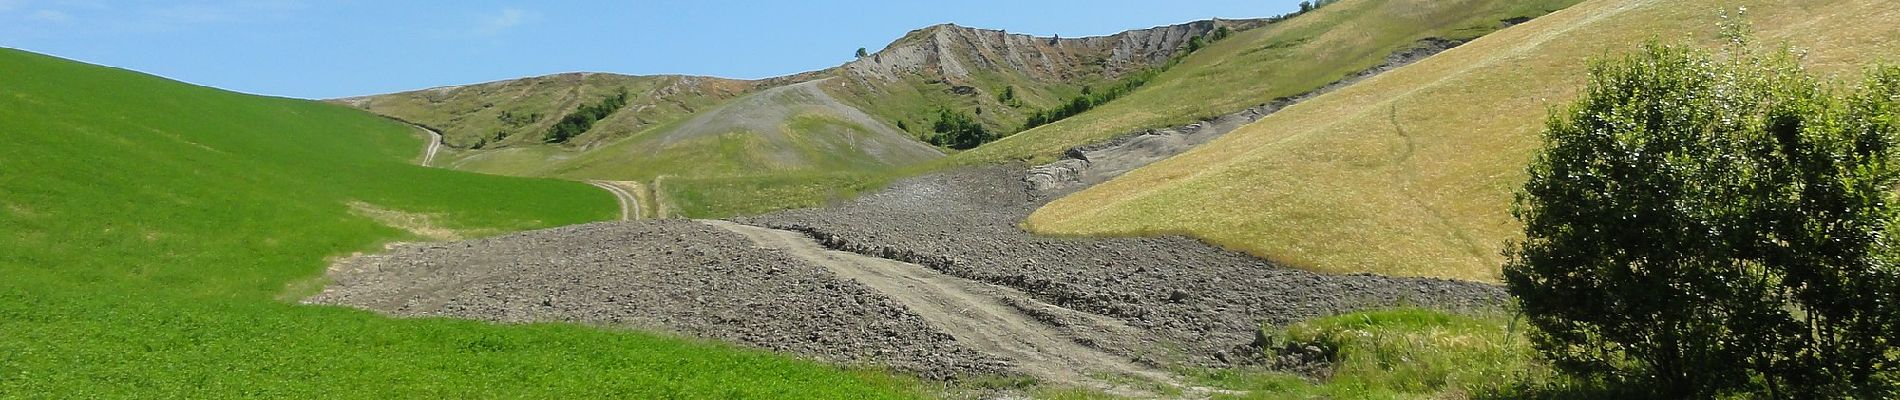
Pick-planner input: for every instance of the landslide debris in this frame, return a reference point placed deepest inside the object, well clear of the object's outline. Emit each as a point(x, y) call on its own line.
point(1203, 302)
point(675, 276)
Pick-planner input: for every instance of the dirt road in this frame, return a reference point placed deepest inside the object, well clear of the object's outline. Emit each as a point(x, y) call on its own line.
point(435, 145)
point(987, 318)
point(623, 192)
point(673, 276)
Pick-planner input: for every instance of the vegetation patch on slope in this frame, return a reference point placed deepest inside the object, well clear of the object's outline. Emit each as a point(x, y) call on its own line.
point(147, 227)
point(1411, 173)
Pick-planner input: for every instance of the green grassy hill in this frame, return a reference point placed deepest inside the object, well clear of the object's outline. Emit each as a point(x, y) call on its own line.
point(497, 126)
point(1411, 173)
point(787, 129)
point(151, 232)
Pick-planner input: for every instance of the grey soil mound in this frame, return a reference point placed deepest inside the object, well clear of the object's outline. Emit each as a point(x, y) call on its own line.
point(666, 275)
point(1203, 301)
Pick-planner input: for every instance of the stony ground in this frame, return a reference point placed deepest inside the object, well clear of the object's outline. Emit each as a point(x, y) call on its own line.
point(1203, 301)
point(1133, 304)
point(675, 276)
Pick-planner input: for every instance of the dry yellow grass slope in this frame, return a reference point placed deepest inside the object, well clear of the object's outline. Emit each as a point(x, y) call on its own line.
point(1256, 66)
point(1412, 173)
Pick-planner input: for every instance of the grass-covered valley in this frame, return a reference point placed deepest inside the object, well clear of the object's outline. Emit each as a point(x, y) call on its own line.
point(1355, 199)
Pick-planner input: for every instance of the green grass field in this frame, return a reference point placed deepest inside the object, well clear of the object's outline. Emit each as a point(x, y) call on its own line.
point(1412, 172)
point(150, 230)
point(1403, 353)
point(720, 197)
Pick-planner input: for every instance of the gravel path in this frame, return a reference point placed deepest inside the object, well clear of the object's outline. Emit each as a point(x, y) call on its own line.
point(990, 319)
point(1197, 303)
point(435, 144)
point(623, 193)
point(674, 276)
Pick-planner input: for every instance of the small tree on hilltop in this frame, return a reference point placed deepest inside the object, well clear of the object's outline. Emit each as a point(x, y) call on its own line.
point(1708, 226)
point(862, 52)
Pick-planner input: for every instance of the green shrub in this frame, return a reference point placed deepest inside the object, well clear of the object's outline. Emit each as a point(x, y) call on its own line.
point(584, 118)
point(958, 130)
point(1709, 226)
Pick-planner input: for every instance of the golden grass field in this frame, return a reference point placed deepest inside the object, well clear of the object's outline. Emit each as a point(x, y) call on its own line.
point(1412, 173)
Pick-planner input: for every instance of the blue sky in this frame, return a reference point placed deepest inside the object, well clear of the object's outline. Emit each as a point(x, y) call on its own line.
point(335, 48)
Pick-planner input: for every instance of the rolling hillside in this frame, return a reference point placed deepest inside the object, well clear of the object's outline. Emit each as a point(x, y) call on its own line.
point(1411, 173)
point(776, 158)
point(501, 127)
point(733, 147)
point(786, 129)
point(1282, 60)
point(153, 235)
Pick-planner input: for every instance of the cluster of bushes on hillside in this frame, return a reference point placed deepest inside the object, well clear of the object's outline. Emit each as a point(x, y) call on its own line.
point(584, 118)
point(958, 131)
point(1008, 97)
point(1706, 226)
point(1089, 99)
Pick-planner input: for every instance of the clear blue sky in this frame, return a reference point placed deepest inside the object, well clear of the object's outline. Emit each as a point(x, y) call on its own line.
point(335, 48)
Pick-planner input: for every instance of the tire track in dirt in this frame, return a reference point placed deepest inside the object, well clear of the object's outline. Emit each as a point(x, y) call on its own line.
point(987, 318)
point(629, 203)
point(435, 145)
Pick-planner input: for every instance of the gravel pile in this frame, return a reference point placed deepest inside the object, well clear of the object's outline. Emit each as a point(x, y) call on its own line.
point(1204, 301)
point(670, 275)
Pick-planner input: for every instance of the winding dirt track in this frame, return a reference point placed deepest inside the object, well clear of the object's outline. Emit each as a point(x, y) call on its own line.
point(629, 203)
point(435, 145)
point(985, 317)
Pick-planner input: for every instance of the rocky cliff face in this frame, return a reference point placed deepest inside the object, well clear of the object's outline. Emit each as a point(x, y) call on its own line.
point(954, 52)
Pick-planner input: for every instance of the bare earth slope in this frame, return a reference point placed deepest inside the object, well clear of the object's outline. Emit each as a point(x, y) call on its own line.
point(1411, 172)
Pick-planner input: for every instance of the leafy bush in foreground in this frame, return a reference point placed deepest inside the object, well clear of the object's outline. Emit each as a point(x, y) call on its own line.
point(1711, 225)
